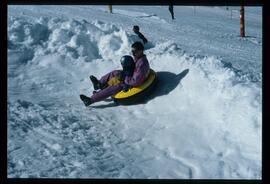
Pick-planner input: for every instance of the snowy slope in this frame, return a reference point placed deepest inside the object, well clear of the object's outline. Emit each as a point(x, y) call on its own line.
point(204, 120)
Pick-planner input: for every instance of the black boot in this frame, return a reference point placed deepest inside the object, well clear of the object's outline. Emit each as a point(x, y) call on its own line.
point(95, 82)
point(86, 100)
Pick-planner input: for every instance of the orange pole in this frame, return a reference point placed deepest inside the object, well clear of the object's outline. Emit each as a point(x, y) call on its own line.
point(242, 21)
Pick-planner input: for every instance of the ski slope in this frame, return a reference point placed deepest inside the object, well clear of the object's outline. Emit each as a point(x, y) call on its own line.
point(203, 121)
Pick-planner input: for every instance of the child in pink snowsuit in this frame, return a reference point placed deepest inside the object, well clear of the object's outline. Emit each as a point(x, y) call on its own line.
point(119, 80)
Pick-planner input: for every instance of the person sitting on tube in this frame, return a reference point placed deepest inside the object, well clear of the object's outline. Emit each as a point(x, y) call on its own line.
point(132, 75)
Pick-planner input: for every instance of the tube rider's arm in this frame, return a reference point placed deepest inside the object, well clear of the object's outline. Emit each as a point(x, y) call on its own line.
point(139, 75)
point(142, 37)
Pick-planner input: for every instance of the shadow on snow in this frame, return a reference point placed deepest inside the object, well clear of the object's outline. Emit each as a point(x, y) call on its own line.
point(166, 82)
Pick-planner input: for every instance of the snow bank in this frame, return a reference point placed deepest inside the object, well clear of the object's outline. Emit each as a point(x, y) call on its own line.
point(72, 38)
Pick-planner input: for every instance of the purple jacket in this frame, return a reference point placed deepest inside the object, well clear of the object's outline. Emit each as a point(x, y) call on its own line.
point(141, 72)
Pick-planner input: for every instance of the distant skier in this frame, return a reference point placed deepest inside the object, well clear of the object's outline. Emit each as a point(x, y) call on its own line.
point(171, 10)
point(132, 75)
point(136, 30)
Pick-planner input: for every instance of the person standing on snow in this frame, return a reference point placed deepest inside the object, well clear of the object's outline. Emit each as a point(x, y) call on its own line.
point(132, 75)
point(136, 30)
point(171, 10)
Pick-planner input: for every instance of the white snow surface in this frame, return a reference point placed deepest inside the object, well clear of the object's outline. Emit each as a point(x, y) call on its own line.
point(203, 120)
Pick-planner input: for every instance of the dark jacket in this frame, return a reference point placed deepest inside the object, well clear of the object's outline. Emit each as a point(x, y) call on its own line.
point(142, 37)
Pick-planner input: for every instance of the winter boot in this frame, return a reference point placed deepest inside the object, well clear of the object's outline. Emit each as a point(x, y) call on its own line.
point(86, 100)
point(96, 83)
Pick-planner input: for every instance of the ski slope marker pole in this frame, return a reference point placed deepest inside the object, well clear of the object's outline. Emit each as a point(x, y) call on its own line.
point(242, 21)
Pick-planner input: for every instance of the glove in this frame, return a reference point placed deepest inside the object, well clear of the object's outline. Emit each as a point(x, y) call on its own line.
point(125, 87)
point(114, 81)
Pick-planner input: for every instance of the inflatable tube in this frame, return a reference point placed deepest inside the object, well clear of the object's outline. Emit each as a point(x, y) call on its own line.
point(136, 94)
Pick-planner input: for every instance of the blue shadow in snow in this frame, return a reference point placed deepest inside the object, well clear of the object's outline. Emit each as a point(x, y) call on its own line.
point(166, 82)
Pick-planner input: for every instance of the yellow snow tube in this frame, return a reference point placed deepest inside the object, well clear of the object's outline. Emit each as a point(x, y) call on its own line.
point(136, 93)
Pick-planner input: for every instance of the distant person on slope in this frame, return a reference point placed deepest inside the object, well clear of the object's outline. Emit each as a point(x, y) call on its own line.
point(134, 73)
point(136, 30)
point(171, 10)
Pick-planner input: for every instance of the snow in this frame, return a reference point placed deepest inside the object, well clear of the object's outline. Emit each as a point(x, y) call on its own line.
point(203, 121)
